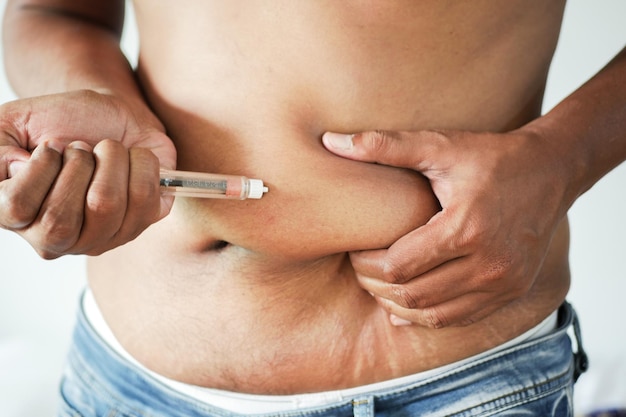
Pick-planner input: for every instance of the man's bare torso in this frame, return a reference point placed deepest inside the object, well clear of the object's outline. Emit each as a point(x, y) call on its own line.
point(259, 296)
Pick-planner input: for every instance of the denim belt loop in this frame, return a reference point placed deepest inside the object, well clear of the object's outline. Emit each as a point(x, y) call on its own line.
point(363, 407)
point(581, 360)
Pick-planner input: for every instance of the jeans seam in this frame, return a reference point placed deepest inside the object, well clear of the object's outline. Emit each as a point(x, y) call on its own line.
point(526, 347)
point(526, 399)
point(112, 399)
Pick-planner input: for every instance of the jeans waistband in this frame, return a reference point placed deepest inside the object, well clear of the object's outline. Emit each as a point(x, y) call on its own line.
point(507, 369)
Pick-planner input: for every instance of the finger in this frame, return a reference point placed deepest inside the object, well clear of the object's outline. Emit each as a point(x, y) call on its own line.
point(60, 219)
point(12, 158)
point(106, 200)
point(414, 254)
point(473, 273)
point(400, 149)
point(144, 197)
point(12, 121)
point(435, 287)
point(22, 195)
point(461, 311)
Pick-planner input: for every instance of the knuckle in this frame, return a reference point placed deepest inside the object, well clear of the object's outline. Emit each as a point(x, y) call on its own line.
point(18, 211)
point(404, 297)
point(434, 318)
point(102, 203)
point(499, 268)
point(395, 271)
point(377, 141)
point(60, 230)
point(47, 254)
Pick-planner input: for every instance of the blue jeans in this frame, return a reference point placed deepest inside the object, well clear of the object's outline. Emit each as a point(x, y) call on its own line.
point(534, 378)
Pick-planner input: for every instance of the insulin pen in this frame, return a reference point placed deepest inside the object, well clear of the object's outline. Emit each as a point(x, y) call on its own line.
point(195, 184)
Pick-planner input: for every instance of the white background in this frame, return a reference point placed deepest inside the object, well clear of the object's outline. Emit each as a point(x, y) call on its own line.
point(38, 298)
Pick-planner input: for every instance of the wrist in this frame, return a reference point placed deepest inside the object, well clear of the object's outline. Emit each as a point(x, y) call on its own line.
point(565, 162)
point(586, 132)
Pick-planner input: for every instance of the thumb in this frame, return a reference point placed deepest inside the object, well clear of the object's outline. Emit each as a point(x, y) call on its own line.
point(12, 159)
point(400, 149)
point(421, 250)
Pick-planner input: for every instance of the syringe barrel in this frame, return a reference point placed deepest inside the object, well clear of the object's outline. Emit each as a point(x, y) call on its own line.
point(202, 185)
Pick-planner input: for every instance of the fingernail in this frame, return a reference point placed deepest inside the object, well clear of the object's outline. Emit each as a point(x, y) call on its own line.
point(80, 146)
point(338, 141)
point(54, 146)
point(397, 321)
point(15, 167)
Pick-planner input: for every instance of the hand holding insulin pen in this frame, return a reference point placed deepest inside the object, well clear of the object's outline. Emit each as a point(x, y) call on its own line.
point(200, 185)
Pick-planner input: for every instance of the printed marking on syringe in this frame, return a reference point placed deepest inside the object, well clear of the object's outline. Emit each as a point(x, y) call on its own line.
point(221, 186)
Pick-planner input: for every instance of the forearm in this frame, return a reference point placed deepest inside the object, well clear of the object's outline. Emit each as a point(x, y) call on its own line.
point(65, 47)
point(587, 130)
